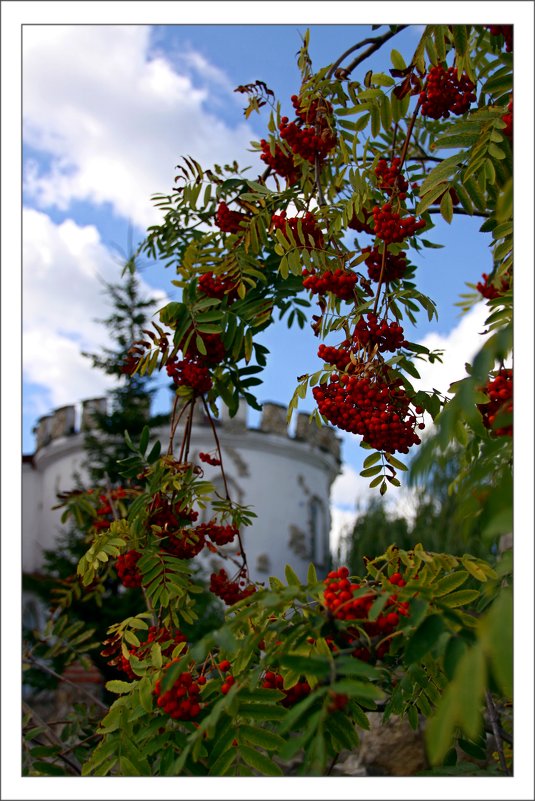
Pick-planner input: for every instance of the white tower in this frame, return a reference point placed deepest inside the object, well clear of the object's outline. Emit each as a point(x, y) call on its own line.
point(285, 479)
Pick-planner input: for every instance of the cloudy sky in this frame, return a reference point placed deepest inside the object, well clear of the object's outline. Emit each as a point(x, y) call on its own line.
point(107, 112)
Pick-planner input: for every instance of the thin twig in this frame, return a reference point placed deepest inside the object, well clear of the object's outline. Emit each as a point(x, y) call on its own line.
point(375, 43)
point(218, 446)
point(52, 736)
point(494, 722)
point(33, 661)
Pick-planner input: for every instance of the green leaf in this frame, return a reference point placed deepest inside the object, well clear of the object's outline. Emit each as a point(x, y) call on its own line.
point(371, 471)
point(262, 737)
point(260, 762)
point(119, 687)
point(372, 459)
point(144, 440)
point(306, 664)
point(397, 60)
point(441, 172)
point(496, 637)
point(474, 569)
point(449, 583)
point(460, 38)
point(460, 598)
point(424, 638)
point(446, 207)
point(291, 576)
point(222, 765)
point(49, 769)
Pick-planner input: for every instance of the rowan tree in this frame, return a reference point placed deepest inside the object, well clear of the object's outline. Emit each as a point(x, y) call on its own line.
point(352, 176)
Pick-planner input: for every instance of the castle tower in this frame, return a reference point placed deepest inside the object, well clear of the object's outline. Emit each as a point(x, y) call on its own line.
point(285, 479)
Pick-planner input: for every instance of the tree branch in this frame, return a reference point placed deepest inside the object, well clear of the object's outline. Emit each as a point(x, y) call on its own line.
point(52, 736)
point(375, 42)
point(33, 661)
point(494, 722)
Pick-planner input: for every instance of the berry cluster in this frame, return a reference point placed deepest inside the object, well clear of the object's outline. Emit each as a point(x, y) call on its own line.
point(338, 356)
point(213, 345)
point(280, 162)
point(224, 666)
point(190, 373)
point(171, 524)
point(391, 227)
point(229, 221)
point(104, 513)
point(345, 601)
point(207, 459)
point(395, 266)
point(305, 142)
point(371, 406)
point(127, 570)
point(169, 516)
point(167, 639)
point(300, 690)
point(364, 225)
point(508, 119)
point(230, 591)
point(489, 290)
point(500, 392)
point(185, 544)
point(338, 282)
point(382, 335)
point(315, 111)
point(220, 535)
point(308, 225)
point(506, 31)
point(217, 286)
point(181, 702)
point(390, 180)
point(444, 92)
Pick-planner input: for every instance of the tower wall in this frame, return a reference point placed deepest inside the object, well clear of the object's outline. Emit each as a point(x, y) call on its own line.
point(285, 480)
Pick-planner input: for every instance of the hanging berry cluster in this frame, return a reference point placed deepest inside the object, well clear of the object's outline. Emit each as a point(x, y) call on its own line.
point(127, 570)
point(193, 370)
point(190, 373)
point(231, 590)
point(167, 639)
point(294, 694)
point(181, 701)
point(217, 286)
point(338, 282)
point(309, 227)
point(104, 513)
point(390, 178)
point(391, 226)
point(444, 93)
point(227, 220)
point(395, 265)
point(500, 393)
point(345, 601)
point(378, 335)
point(280, 162)
point(372, 406)
point(490, 290)
point(506, 31)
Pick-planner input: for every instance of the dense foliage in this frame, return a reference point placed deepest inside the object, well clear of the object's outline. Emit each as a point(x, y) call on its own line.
point(295, 668)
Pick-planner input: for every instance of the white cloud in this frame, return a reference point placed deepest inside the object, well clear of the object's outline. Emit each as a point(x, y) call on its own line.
point(62, 296)
point(114, 119)
point(460, 346)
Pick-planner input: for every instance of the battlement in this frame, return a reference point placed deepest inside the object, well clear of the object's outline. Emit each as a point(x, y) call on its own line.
point(61, 423)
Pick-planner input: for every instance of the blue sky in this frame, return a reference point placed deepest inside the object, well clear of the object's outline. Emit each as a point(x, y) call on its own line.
point(107, 113)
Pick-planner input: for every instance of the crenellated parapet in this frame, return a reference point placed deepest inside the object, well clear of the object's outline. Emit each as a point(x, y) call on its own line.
point(273, 421)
